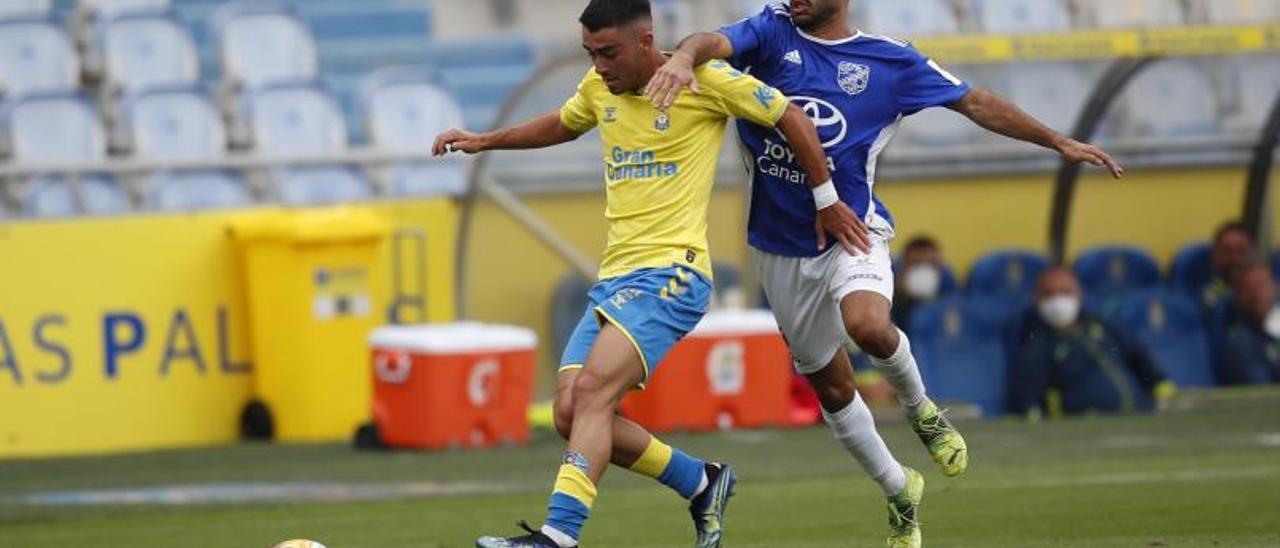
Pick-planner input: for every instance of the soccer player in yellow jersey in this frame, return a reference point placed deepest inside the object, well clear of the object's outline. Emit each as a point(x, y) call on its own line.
point(655, 276)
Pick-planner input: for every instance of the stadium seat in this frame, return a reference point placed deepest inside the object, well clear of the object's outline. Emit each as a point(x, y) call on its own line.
point(11, 9)
point(1170, 326)
point(62, 126)
point(1239, 12)
point(1138, 13)
point(405, 108)
point(181, 123)
point(1007, 275)
point(1191, 270)
point(1171, 99)
point(911, 19)
point(147, 50)
point(1256, 77)
point(959, 343)
point(1275, 264)
point(55, 126)
point(108, 9)
point(177, 122)
point(1023, 16)
point(198, 190)
point(1055, 93)
point(52, 196)
point(301, 120)
point(36, 55)
point(263, 43)
point(1109, 270)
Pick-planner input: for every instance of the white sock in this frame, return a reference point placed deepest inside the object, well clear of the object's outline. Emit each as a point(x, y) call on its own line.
point(855, 428)
point(903, 374)
point(702, 485)
point(561, 539)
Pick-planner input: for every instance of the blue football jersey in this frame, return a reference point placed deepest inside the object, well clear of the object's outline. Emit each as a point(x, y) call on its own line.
point(856, 91)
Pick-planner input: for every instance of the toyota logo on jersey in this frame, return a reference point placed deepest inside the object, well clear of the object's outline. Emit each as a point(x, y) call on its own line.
point(831, 123)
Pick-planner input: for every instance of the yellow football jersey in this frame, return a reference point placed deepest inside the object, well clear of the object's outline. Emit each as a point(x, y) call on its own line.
point(660, 166)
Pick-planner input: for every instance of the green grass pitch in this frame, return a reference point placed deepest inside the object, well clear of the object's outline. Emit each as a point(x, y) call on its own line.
point(1205, 475)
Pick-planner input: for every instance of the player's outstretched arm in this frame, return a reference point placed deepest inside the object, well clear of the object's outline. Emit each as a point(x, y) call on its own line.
point(834, 216)
point(541, 132)
point(999, 115)
point(677, 73)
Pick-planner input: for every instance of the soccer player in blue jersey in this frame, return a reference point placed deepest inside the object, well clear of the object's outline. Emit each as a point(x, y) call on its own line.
point(655, 278)
point(857, 87)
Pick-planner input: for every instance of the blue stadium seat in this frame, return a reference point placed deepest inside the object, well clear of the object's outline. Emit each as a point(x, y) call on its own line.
point(911, 19)
point(108, 9)
point(1191, 270)
point(36, 55)
point(52, 196)
point(177, 122)
point(405, 108)
point(959, 342)
point(301, 119)
point(1007, 275)
point(263, 42)
point(55, 126)
point(1108, 270)
point(182, 123)
point(62, 126)
point(1275, 264)
point(198, 190)
point(1055, 93)
point(1171, 327)
point(11, 9)
point(1023, 16)
point(142, 51)
point(1138, 13)
point(1171, 99)
point(321, 186)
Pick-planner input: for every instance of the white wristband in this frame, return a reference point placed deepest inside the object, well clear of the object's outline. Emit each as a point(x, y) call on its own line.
point(824, 195)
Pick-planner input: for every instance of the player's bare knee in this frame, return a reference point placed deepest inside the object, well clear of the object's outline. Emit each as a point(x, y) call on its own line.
point(875, 335)
point(590, 393)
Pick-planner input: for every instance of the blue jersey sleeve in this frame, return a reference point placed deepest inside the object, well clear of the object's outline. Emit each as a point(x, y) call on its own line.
point(753, 38)
point(926, 84)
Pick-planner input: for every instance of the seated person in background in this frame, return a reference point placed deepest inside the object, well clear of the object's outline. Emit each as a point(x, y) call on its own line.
point(1233, 248)
point(1250, 350)
point(919, 278)
point(1070, 362)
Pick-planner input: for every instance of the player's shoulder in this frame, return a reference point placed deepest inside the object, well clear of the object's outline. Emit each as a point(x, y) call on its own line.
point(888, 46)
point(717, 73)
point(773, 12)
point(592, 81)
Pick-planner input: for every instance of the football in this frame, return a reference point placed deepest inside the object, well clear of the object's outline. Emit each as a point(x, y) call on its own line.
point(299, 543)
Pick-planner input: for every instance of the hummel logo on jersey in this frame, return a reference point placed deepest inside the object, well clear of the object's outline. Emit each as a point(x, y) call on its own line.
point(793, 57)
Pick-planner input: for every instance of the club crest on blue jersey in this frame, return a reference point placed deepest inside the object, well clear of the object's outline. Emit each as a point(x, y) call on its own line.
point(853, 77)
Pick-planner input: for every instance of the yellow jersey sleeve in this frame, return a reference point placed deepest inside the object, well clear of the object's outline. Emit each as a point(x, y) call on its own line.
point(579, 112)
point(740, 95)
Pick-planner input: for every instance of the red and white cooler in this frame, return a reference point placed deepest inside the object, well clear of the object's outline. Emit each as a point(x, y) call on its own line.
point(732, 371)
point(462, 385)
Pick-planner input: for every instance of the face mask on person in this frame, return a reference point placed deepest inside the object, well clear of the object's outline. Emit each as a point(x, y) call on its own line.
point(922, 282)
point(1272, 324)
point(1059, 311)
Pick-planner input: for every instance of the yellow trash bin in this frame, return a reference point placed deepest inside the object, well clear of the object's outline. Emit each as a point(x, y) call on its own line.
point(308, 276)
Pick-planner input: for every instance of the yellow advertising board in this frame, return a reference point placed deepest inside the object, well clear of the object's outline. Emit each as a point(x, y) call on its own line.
point(132, 333)
point(1102, 44)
